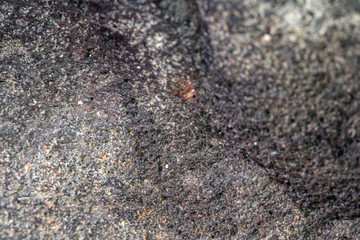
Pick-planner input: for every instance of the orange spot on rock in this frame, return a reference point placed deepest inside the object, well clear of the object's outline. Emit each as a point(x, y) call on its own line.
point(188, 90)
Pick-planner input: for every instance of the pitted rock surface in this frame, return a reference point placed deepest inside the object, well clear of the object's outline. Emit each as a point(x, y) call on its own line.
point(179, 119)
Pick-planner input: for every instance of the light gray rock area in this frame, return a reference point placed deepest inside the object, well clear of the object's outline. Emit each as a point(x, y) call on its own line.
point(179, 119)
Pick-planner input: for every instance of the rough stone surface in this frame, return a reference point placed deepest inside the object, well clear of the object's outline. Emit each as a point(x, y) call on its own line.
point(179, 119)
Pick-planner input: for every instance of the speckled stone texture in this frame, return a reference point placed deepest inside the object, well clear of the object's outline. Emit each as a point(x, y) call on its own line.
point(179, 119)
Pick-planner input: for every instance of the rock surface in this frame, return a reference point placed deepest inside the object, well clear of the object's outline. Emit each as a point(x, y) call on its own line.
point(179, 119)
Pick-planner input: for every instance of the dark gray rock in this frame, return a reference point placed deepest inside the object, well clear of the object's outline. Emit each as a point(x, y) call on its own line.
point(179, 119)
